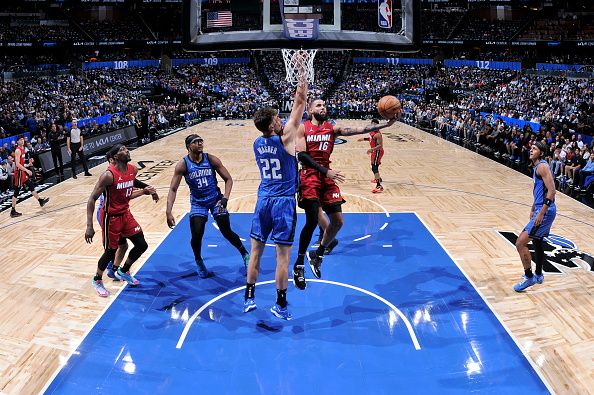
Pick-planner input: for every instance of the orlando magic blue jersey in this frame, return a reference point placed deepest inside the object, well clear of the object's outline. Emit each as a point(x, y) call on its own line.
point(540, 190)
point(278, 169)
point(202, 181)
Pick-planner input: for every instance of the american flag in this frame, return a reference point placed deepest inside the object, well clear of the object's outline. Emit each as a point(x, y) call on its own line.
point(219, 19)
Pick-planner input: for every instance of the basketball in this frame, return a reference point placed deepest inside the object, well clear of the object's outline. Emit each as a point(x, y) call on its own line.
point(388, 107)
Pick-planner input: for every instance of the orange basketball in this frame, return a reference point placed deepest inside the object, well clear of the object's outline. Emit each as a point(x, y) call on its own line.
point(388, 107)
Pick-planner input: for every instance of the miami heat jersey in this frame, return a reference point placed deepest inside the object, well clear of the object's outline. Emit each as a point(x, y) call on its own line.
point(372, 141)
point(117, 195)
point(319, 141)
point(20, 176)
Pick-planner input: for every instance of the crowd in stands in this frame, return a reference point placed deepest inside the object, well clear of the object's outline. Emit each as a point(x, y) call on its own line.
point(487, 29)
point(566, 26)
point(562, 107)
point(117, 30)
point(33, 31)
point(439, 24)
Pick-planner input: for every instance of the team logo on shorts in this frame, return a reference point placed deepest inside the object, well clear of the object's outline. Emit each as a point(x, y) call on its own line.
point(562, 253)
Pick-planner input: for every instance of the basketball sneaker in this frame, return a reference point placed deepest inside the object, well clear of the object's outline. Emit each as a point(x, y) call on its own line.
point(329, 249)
point(111, 272)
point(315, 262)
point(525, 283)
point(120, 275)
point(14, 213)
point(539, 278)
point(299, 276)
point(202, 270)
point(249, 305)
point(98, 285)
point(281, 312)
point(43, 201)
point(377, 189)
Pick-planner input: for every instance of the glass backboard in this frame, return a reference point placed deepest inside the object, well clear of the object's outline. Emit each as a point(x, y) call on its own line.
point(225, 25)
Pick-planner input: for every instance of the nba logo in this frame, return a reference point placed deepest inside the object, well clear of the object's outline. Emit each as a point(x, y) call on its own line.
point(384, 14)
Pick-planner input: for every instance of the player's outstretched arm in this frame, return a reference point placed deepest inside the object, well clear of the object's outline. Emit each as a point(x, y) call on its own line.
point(178, 173)
point(350, 131)
point(105, 180)
point(308, 161)
point(294, 122)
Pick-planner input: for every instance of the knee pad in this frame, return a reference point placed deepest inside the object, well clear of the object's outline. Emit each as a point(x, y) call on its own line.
point(375, 168)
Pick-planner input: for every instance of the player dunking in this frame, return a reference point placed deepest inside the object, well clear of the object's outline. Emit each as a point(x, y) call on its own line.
point(275, 214)
point(316, 137)
point(23, 177)
point(376, 152)
point(542, 215)
point(198, 168)
point(117, 183)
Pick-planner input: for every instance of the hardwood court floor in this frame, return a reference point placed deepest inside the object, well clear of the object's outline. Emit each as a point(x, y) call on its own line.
point(48, 304)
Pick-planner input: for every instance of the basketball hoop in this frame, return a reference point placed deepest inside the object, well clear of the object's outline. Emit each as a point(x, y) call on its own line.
point(296, 59)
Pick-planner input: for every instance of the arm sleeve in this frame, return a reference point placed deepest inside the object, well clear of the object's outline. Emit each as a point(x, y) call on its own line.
point(139, 184)
point(308, 161)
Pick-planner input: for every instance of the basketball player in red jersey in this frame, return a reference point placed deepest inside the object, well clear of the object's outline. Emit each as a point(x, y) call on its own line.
point(23, 177)
point(376, 152)
point(117, 185)
point(318, 189)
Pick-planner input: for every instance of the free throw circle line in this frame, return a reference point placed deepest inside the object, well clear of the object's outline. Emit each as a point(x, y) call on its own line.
point(409, 327)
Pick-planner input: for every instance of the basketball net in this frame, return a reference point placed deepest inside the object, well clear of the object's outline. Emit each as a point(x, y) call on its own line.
point(299, 61)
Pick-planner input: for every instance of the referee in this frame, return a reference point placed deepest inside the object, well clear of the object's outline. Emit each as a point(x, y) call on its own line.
point(75, 143)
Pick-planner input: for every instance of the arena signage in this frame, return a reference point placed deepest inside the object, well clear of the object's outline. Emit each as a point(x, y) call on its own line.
point(394, 61)
point(301, 29)
point(483, 64)
point(559, 67)
point(92, 145)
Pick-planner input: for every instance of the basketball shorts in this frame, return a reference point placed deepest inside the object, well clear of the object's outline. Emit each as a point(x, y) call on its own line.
point(316, 186)
point(20, 180)
point(203, 209)
point(275, 217)
point(542, 230)
point(114, 228)
point(376, 157)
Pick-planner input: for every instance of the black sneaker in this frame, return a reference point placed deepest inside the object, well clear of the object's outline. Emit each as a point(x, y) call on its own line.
point(329, 249)
point(74, 176)
point(87, 174)
point(299, 276)
point(315, 263)
point(43, 201)
point(14, 214)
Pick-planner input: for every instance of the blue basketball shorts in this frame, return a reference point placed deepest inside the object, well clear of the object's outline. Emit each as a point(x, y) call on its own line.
point(203, 209)
point(542, 230)
point(275, 217)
